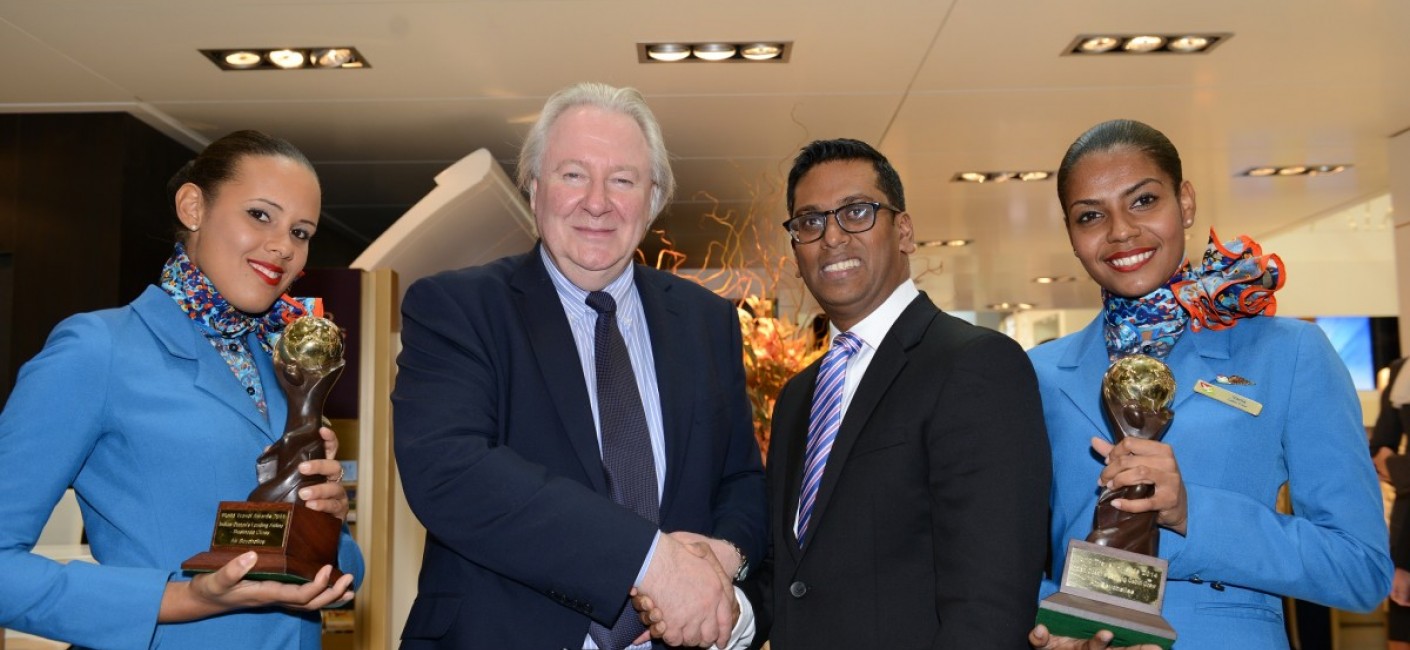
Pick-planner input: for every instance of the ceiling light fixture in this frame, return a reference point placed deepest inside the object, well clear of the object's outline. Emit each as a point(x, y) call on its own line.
point(1293, 170)
point(668, 51)
point(1145, 43)
point(1054, 279)
point(714, 51)
point(290, 58)
point(287, 59)
point(761, 51)
point(751, 51)
point(1011, 306)
point(944, 243)
point(243, 59)
point(1000, 177)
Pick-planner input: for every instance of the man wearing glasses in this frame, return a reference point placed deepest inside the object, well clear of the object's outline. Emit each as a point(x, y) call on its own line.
point(909, 472)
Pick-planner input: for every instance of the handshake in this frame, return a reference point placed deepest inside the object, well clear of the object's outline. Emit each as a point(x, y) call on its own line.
point(687, 596)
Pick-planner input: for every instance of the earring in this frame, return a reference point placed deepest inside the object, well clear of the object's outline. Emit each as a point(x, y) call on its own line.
point(193, 227)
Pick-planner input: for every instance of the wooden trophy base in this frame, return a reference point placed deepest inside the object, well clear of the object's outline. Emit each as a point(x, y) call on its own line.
point(1080, 618)
point(1105, 588)
point(292, 541)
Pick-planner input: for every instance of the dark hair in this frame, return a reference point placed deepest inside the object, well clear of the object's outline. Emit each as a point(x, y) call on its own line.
point(1121, 133)
point(216, 164)
point(821, 151)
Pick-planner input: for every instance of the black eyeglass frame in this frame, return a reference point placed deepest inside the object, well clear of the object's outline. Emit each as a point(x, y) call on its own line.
point(875, 206)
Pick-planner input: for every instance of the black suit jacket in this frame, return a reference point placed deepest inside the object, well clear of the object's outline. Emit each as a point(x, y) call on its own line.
point(1391, 425)
point(499, 457)
point(930, 522)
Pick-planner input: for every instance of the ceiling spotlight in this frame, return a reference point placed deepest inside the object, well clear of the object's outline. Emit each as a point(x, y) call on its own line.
point(1292, 171)
point(970, 177)
point(713, 51)
point(1261, 171)
point(1326, 169)
point(287, 59)
point(1010, 306)
point(1143, 43)
point(1188, 44)
point(761, 51)
point(946, 243)
point(242, 59)
point(332, 57)
point(1098, 44)
point(668, 51)
point(1033, 176)
point(1054, 279)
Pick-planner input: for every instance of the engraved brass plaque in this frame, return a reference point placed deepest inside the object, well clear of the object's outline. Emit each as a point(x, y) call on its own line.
point(1120, 578)
point(249, 528)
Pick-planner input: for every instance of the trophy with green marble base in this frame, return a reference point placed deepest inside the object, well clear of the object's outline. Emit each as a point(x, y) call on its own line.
point(292, 542)
point(1113, 580)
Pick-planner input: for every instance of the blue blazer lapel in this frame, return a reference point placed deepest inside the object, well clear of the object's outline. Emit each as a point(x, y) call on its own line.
point(890, 358)
point(179, 337)
point(541, 312)
point(673, 374)
point(1189, 361)
point(1086, 359)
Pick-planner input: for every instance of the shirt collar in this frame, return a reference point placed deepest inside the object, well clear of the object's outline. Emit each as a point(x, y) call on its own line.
point(872, 329)
point(574, 298)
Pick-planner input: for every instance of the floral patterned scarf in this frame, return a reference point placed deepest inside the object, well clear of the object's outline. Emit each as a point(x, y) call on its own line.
point(225, 326)
point(1233, 281)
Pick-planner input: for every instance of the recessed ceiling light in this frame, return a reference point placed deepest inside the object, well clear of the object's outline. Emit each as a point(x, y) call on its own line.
point(243, 59)
point(1187, 44)
point(761, 51)
point(713, 51)
point(947, 243)
point(1143, 43)
point(1054, 279)
point(291, 58)
point(1294, 170)
point(1000, 177)
point(332, 57)
point(1114, 44)
point(1010, 306)
point(1098, 44)
point(668, 51)
point(287, 59)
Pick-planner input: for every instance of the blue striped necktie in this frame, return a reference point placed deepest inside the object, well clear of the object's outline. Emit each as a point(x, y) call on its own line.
point(823, 422)
point(626, 446)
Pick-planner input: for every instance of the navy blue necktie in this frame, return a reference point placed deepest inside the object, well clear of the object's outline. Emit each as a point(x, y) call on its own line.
point(626, 446)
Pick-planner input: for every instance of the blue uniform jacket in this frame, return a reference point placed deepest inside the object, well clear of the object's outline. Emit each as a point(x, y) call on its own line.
point(139, 413)
point(1239, 555)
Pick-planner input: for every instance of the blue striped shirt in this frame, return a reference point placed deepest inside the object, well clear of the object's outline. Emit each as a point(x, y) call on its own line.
point(631, 320)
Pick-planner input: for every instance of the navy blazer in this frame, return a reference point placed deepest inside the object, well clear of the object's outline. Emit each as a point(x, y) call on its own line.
point(499, 458)
point(1239, 555)
point(137, 411)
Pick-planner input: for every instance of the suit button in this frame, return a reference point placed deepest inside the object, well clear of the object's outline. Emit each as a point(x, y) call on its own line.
point(1217, 586)
point(1196, 580)
point(798, 589)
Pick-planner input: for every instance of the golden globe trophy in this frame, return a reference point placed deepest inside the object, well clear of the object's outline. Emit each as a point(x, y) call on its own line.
point(1113, 580)
point(292, 541)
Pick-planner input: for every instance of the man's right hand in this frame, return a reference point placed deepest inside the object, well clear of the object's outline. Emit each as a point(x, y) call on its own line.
point(694, 596)
point(1039, 638)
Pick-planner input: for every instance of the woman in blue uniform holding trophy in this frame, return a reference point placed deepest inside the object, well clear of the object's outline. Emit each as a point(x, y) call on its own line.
point(1260, 401)
point(155, 413)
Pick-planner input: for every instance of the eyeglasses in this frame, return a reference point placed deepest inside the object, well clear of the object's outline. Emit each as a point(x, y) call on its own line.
point(852, 218)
